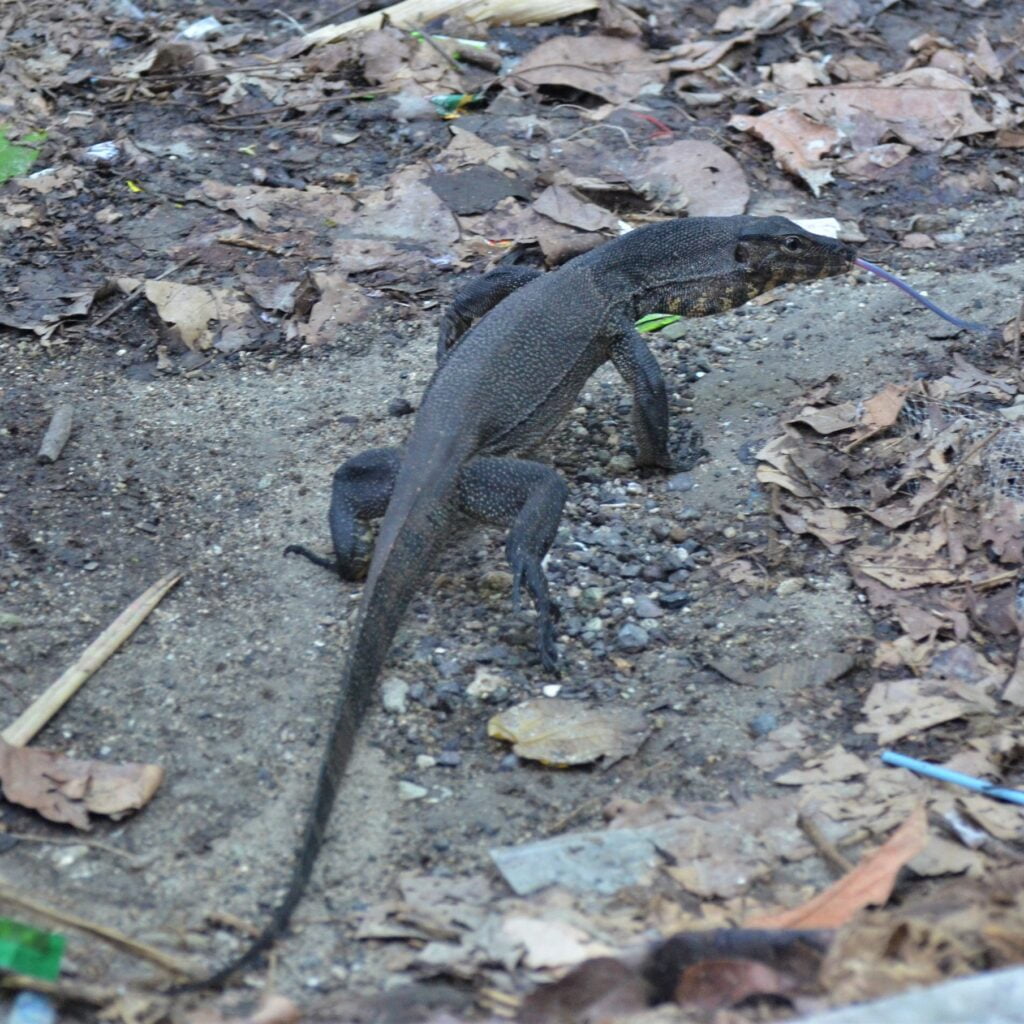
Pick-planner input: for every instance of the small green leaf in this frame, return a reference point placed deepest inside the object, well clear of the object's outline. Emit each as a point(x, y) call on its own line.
point(29, 950)
point(655, 321)
point(16, 160)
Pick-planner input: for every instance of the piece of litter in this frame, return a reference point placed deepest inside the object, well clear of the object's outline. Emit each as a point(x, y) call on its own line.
point(28, 950)
point(935, 771)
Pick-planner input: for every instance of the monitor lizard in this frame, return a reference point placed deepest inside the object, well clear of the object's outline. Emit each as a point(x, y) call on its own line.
point(501, 386)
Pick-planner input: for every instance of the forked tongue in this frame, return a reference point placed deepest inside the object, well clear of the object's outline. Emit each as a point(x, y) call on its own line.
point(965, 325)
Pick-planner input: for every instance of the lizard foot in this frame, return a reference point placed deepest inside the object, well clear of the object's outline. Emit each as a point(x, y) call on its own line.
point(527, 571)
point(300, 549)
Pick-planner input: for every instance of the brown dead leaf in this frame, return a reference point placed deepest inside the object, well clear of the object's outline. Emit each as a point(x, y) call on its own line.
point(761, 15)
point(617, 70)
point(339, 302)
point(196, 314)
point(602, 989)
point(65, 790)
point(836, 765)
point(690, 174)
point(559, 733)
point(703, 54)
point(896, 708)
point(922, 107)
point(551, 944)
point(284, 209)
point(799, 142)
point(562, 204)
point(869, 884)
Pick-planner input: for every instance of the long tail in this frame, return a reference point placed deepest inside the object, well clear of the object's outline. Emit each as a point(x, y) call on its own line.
point(404, 554)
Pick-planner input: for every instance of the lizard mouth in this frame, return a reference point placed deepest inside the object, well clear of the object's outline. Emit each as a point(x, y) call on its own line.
point(885, 275)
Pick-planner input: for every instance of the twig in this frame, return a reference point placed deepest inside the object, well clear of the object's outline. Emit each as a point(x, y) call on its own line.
point(247, 243)
point(821, 843)
point(116, 938)
point(63, 991)
point(41, 710)
point(57, 434)
point(26, 837)
point(136, 292)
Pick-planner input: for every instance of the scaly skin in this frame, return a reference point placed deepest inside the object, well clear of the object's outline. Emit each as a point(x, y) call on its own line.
point(500, 389)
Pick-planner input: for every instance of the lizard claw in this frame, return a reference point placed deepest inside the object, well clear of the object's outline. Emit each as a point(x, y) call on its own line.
point(527, 571)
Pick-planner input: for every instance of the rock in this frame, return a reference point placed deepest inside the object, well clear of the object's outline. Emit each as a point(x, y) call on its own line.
point(449, 759)
point(790, 586)
point(632, 638)
point(409, 791)
point(400, 407)
point(680, 482)
point(761, 725)
point(645, 608)
point(394, 695)
point(674, 599)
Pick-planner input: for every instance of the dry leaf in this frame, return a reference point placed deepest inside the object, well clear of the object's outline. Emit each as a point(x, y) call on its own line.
point(191, 309)
point(66, 790)
point(798, 141)
point(559, 733)
point(692, 175)
point(561, 204)
point(617, 70)
point(340, 302)
point(761, 16)
point(868, 884)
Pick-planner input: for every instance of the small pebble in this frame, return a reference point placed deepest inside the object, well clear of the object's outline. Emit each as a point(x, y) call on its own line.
point(674, 599)
point(400, 407)
point(680, 482)
point(790, 586)
point(645, 608)
point(425, 761)
point(409, 791)
point(632, 638)
point(394, 695)
point(761, 725)
point(449, 759)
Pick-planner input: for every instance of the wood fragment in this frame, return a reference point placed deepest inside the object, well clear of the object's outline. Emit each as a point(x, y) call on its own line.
point(63, 990)
point(167, 961)
point(420, 12)
point(57, 434)
point(134, 294)
point(830, 852)
point(41, 710)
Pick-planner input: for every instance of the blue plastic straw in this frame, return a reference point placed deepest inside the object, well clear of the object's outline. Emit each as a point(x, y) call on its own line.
point(934, 771)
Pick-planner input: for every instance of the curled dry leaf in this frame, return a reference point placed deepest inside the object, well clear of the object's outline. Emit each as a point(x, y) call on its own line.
point(66, 790)
point(562, 204)
point(869, 884)
point(559, 733)
point(799, 142)
point(191, 309)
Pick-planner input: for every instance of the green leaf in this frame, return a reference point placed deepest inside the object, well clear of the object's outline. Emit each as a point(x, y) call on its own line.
point(16, 160)
point(28, 950)
point(655, 321)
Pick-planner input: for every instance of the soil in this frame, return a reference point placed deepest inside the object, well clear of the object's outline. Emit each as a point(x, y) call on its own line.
point(212, 465)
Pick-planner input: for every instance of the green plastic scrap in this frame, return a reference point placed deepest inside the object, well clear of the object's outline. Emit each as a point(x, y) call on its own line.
point(655, 321)
point(16, 160)
point(28, 950)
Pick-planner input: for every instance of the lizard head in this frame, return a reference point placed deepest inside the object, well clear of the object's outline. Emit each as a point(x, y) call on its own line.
point(773, 250)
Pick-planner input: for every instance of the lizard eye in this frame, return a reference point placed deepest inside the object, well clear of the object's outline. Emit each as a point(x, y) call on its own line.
point(794, 243)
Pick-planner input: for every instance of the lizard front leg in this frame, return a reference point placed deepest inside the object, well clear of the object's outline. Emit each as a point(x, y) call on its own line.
point(638, 367)
point(527, 497)
point(361, 489)
point(476, 298)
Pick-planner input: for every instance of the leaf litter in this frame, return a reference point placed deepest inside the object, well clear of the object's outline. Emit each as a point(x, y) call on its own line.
point(915, 486)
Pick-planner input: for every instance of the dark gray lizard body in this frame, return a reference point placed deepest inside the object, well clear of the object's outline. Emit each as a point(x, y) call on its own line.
point(502, 388)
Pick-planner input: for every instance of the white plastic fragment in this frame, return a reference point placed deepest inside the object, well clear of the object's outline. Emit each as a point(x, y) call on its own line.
point(202, 28)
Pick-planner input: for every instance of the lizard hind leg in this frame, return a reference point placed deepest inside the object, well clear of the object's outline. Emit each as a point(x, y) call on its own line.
point(527, 497)
point(360, 491)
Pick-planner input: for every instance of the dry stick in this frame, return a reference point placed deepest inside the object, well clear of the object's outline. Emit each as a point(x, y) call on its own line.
point(64, 991)
point(41, 710)
point(26, 837)
point(116, 938)
point(57, 434)
point(248, 243)
point(136, 292)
